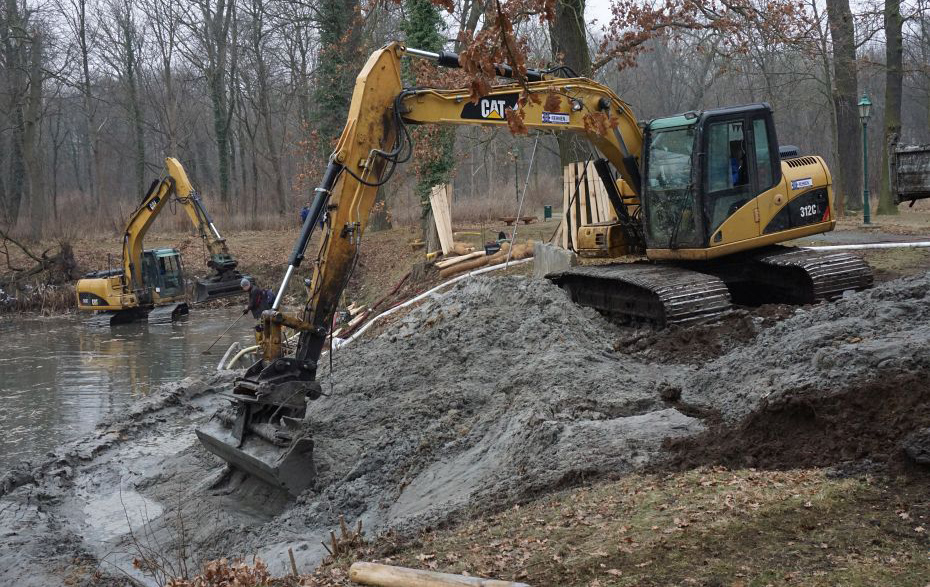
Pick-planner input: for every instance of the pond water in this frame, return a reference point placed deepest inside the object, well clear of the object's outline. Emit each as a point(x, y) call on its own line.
point(59, 377)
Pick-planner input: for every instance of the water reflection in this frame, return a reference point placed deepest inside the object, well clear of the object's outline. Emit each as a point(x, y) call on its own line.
point(58, 378)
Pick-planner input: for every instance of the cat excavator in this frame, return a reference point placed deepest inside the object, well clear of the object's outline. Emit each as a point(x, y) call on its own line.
point(702, 199)
point(149, 284)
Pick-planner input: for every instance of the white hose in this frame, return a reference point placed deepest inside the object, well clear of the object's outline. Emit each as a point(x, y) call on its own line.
point(239, 355)
point(339, 342)
point(232, 348)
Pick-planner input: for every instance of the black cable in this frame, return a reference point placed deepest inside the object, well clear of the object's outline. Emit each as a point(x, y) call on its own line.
point(564, 70)
point(402, 140)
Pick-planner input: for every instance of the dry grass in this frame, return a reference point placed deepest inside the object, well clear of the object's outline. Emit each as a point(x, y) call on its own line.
point(703, 527)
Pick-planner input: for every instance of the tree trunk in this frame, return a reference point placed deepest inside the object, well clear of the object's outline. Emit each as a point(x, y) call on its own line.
point(16, 89)
point(218, 26)
point(847, 172)
point(569, 47)
point(32, 117)
point(894, 78)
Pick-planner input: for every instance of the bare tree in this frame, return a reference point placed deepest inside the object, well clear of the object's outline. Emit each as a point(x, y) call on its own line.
point(121, 52)
point(847, 172)
point(894, 81)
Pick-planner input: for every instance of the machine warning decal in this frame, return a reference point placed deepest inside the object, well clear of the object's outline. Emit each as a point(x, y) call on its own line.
point(490, 107)
point(154, 202)
point(555, 118)
point(797, 184)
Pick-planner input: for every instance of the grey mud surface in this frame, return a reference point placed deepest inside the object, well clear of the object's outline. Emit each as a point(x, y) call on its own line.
point(488, 395)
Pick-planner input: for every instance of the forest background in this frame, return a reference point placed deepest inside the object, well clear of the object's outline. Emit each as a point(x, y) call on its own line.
point(250, 94)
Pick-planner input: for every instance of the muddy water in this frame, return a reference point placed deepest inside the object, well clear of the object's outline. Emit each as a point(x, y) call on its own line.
point(59, 378)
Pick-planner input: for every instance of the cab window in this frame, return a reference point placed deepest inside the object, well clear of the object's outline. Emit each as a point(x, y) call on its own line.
point(728, 171)
point(760, 138)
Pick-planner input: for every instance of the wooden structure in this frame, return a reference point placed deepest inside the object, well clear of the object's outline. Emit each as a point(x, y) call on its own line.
point(389, 576)
point(588, 204)
point(909, 172)
point(440, 199)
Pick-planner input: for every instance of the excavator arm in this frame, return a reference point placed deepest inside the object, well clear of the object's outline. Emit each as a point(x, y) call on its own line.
point(271, 398)
point(376, 139)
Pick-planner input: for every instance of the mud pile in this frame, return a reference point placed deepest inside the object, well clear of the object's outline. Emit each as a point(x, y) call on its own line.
point(487, 395)
point(862, 338)
point(834, 383)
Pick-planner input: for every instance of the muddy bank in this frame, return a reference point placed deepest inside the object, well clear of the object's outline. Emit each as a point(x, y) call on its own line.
point(495, 392)
point(68, 516)
point(860, 339)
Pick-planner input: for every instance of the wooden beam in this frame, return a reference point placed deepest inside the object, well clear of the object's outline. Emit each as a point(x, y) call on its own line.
point(455, 260)
point(390, 576)
point(441, 202)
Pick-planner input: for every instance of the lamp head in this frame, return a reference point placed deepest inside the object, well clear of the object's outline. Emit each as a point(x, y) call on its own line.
point(865, 108)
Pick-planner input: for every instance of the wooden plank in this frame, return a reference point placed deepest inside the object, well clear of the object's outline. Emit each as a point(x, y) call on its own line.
point(593, 212)
point(378, 575)
point(601, 194)
point(454, 260)
point(575, 206)
point(584, 199)
point(602, 201)
point(609, 214)
point(439, 201)
point(447, 217)
point(566, 213)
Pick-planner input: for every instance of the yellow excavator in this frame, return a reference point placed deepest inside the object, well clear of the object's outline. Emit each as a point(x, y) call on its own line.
point(149, 284)
point(702, 199)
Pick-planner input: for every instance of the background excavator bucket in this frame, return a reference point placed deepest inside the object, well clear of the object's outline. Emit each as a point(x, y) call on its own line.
point(212, 288)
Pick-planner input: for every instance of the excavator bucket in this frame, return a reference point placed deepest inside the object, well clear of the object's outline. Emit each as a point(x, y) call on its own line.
point(288, 467)
point(263, 432)
point(215, 287)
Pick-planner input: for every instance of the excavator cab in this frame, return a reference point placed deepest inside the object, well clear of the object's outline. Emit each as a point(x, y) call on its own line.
point(164, 273)
point(702, 169)
point(714, 183)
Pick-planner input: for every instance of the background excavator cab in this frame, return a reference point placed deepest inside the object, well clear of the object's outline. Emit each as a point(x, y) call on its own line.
point(162, 268)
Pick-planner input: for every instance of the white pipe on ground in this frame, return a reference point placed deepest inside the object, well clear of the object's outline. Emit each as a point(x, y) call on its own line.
point(339, 343)
point(864, 246)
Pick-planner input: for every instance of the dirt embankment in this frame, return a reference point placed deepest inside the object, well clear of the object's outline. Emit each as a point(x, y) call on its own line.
point(496, 392)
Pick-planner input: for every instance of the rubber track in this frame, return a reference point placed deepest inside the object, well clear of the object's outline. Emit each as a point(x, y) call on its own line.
point(830, 274)
point(660, 294)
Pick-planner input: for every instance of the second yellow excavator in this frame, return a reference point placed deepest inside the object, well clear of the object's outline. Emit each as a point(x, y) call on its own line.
point(149, 284)
point(709, 197)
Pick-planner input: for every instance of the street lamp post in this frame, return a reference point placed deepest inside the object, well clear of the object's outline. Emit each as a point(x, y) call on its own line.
point(865, 112)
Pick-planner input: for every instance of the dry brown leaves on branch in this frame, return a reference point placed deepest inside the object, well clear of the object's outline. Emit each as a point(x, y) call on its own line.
point(225, 573)
point(634, 22)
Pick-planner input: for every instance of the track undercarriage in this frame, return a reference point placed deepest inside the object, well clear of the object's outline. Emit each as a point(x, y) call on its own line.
point(664, 294)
